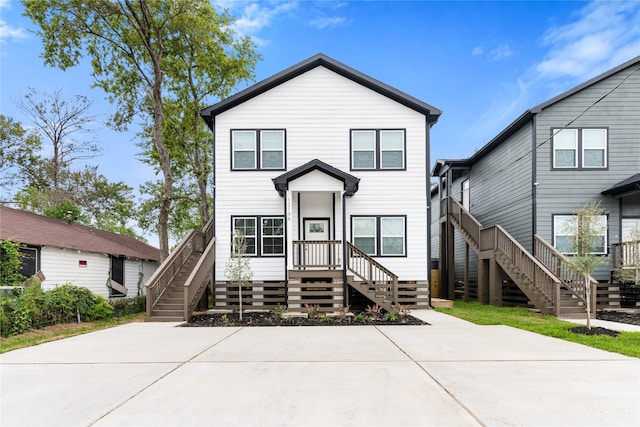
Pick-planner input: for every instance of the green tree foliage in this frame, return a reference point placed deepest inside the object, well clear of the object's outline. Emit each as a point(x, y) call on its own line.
point(18, 152)
point(238, 268)
point(585, 227)
point(10, 264)
point(133, 47)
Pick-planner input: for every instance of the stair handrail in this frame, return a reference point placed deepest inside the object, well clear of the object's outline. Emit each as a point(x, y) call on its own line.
point(558, 264)
point(162, 277)
point(467, 222)
point(371, 271)
point(199, 278)
point(539, 275)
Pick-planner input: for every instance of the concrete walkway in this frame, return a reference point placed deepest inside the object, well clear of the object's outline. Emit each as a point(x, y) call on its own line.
point(451, 373)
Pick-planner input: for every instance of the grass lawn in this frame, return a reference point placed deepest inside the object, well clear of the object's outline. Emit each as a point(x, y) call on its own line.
point(627, 343)
point(56, 332)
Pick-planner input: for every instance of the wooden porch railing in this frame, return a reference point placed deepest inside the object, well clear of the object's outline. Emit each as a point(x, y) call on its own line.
point(558, 264)
point(466, 222)
point(317, 254)
point(202, 274)
point(626, 254)
point(372, 272)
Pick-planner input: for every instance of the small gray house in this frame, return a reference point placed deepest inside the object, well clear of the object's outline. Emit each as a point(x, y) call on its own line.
point(499, 214)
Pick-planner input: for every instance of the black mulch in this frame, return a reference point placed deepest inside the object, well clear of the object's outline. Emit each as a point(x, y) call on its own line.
point(270, 319)
point(583, 330)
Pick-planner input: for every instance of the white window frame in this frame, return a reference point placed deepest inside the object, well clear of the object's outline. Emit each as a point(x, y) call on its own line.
point(247, 236)
point(244, 150)
point(581, 144)
point(402, 235)
point(263, 236)
point(263, 150)
point(378, 149)
point(559, 229)
point(379, 235)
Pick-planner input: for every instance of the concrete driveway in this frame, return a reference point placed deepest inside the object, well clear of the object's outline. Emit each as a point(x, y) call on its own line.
point(450, 373)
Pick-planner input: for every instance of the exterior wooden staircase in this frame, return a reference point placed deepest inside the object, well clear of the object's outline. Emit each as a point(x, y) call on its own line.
point(176, 287)
point(546, 282)
point(372, 279)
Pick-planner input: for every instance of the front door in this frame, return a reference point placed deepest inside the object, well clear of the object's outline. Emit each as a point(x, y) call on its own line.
point(317, 249)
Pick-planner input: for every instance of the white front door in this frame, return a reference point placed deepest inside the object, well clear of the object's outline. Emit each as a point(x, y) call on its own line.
point(316, 229)
point(316, 249)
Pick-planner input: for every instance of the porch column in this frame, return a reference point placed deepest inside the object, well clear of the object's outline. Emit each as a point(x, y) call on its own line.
point(495, 283)
point(466, 272)
point(289, 229)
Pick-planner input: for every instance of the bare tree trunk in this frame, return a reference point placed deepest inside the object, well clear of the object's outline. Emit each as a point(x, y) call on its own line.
point(587, 292)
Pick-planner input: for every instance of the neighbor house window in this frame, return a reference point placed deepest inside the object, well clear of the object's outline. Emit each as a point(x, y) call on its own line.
point(264, 235)
point(579, 148)
point(258, 149)
point(564, 233)
point(379, 235)
point(29, 261)
point(377, 149)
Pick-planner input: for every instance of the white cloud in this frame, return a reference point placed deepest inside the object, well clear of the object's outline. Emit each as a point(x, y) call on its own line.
point(255, 16)
point(9, 32)
point(322, 23)
point(593, 42)
point(495, 54)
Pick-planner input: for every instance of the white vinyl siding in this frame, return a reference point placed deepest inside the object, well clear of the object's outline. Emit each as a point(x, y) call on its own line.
point(319, 110)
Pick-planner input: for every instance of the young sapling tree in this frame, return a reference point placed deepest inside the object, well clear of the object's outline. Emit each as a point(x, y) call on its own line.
point(238, 267)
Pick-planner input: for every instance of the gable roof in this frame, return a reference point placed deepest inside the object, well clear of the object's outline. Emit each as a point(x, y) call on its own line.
point(37, 230)
point(631, 184)
point(319, 60)
point(528, 115)
point(350, 182)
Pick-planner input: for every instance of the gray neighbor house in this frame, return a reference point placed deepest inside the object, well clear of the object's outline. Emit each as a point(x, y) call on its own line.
point(497, 216)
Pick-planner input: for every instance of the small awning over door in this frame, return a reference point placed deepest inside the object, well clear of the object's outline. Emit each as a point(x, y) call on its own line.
point(350, 182)
point(628, 186)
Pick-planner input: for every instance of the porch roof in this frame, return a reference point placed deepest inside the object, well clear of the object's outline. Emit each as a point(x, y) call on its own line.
point(629, 185)
point(351, 183)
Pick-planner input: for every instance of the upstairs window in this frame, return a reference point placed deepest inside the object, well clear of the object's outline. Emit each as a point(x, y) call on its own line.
point(258, 149)
point(579, 148)
point(377, 149)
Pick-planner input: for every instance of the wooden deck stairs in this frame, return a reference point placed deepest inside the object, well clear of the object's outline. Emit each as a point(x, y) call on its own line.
point(372, 279)
point(544, 279)
point(178, 284)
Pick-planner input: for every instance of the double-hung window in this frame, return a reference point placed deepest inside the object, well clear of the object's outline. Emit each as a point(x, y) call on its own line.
point(579, 148)
point(373, 149)
point(263, 235)
point(258, 149)
point(564, 234)
point(379, 235)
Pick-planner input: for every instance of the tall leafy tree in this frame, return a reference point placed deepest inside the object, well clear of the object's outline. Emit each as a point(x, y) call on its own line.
point(18, 152)
point(131, 44)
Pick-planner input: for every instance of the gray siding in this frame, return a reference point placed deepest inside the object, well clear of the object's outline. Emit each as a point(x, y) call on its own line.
point(565, 191)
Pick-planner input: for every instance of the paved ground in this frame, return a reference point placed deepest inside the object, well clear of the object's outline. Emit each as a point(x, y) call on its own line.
point(451, 373)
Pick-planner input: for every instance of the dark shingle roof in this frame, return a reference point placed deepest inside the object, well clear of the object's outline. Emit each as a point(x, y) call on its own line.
point(630, 184)
point(430, 111)
point(32, 229)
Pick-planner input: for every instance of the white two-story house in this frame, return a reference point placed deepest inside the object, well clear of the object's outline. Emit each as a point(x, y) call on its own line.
point(325, 172)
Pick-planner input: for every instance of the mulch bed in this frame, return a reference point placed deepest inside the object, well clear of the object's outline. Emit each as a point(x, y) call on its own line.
point(620, 317)
point(270, 319)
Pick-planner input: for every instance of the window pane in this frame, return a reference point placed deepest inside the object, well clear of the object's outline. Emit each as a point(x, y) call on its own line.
point(272, 160)
point(391, 140)
point(244, 160)
point(363, 160)
point(564, 244)
point(594, 138)
point(566, 139)
point(273, 245)
point(364, 227)
point(391, 159)
point(593, 158)
point(565, 158)
point(247, 226)
point(363, 140)
point(366, 244)
point(273, 227)
point(392, 246)
point(272, 140)
point(244, 140)
point(392, 230)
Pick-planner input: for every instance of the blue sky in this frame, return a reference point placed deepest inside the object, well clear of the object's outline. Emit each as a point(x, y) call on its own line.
point(483, 63)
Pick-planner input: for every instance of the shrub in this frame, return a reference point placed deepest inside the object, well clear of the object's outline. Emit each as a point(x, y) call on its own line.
point(32, 308)
point(10, 264)
point(126, 306)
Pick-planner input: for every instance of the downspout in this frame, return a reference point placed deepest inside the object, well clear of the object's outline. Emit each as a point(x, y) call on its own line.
point(286, 251)
point(345, 285)
point(534, 182)
point(428, 190)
